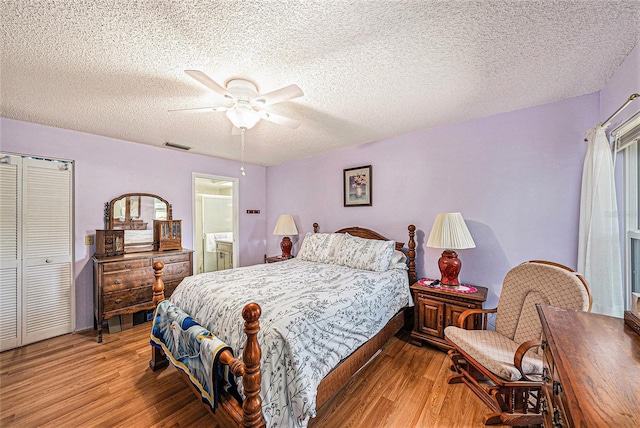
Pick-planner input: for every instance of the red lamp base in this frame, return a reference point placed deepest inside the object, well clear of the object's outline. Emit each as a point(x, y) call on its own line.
point(449, 265)
point(285, 246)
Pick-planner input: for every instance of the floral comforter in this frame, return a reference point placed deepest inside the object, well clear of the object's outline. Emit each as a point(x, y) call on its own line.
point(313, 316)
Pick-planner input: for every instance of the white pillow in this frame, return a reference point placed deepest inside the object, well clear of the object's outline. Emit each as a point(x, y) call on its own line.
point(319, 247)
point(398, 261)
point(367, 254)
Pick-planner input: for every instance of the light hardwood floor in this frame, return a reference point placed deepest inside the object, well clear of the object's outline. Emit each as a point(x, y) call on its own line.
point(72, 381)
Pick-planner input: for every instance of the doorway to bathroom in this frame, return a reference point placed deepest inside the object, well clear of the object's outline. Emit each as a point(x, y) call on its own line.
point(215, 222)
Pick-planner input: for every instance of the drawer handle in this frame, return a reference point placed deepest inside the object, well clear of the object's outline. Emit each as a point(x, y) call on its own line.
point(545, 375)
point(118, 301)
point(557, 387)
point(543, 345)
point(128, 265)
point(557, 419)
point(117, 281)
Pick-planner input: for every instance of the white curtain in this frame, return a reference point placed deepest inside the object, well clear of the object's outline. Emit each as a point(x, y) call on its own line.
point(599, 238)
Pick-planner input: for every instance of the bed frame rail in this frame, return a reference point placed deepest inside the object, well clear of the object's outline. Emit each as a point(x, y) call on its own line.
point(248, 368)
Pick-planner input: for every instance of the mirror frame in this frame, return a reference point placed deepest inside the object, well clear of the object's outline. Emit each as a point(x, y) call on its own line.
point(109, 207)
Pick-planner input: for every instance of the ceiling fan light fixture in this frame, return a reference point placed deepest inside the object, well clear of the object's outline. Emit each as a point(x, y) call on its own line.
point(243, 116)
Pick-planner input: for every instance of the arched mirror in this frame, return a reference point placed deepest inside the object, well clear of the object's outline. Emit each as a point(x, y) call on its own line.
point(134, 213)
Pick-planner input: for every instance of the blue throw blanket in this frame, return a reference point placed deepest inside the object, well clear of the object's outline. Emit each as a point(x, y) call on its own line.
point(194, 350)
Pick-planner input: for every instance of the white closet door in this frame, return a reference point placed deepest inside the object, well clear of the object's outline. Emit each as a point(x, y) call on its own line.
point(47, 287)
point(10, 267)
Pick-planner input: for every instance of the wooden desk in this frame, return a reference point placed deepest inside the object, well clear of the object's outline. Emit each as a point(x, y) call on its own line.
point(591, 370)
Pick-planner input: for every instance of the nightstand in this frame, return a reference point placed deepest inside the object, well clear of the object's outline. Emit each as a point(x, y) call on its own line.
point(437, 308)
point(275, 259)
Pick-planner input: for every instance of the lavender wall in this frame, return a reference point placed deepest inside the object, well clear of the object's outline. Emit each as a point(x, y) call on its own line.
point(619, 87)
point(106, 168)
point(515, 177)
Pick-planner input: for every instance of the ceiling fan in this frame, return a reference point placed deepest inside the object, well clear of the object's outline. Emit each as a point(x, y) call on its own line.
point(242, 102)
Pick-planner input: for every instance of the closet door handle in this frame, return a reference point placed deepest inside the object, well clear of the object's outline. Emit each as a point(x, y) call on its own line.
point(48, 260)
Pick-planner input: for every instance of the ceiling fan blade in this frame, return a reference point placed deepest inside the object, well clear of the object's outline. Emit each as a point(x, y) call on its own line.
point(201, 109)
point(280, 120)
point(209, 83)
point(283, 94)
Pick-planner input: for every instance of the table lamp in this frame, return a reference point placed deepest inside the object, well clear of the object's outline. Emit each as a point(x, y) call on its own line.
point(451, 233)
point(286, 227)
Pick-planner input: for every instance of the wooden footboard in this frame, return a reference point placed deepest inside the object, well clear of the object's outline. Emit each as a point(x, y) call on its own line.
point(248, 368)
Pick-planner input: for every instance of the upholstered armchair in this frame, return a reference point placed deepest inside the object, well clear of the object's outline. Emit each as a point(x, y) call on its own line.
point(504, 366)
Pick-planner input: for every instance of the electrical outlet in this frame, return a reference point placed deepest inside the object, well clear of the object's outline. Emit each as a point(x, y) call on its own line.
point(88, 240)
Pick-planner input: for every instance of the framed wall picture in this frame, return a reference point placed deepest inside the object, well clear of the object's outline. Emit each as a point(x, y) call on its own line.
point(357, 186)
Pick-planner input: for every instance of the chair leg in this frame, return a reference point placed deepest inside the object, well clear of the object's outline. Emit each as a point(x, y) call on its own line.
point(492, 418)
point(455, 378)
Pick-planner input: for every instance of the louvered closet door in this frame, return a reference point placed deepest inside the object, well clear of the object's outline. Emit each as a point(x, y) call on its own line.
point(10, 268)
point(47, 295)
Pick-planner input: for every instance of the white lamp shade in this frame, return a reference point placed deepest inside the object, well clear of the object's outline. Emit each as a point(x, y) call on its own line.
point(450, 232)
point(285, 226)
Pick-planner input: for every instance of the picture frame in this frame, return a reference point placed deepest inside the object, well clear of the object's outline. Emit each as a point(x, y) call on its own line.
point(357, 186)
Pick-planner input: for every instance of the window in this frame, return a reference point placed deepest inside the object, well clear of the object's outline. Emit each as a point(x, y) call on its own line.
point(632, 181)
point(626, 138)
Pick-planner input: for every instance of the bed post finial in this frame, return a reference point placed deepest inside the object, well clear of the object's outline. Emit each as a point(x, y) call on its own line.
point(315, 227)
point(158, 285)
point(252, 405)
point(412, 254)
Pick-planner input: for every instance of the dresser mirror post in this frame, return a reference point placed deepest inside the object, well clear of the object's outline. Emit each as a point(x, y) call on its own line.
point(134, 213)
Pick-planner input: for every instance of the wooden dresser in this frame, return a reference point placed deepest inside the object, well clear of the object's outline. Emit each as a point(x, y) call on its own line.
point(123, 284)
point(591, 370)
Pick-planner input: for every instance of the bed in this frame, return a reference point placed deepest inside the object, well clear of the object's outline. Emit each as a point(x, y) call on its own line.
point(324, 315)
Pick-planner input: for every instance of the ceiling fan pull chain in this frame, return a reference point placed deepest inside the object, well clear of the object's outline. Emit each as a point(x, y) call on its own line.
point(242, 153)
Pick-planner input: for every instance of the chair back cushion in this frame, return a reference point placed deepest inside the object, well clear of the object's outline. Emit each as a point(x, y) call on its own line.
point(537, 282)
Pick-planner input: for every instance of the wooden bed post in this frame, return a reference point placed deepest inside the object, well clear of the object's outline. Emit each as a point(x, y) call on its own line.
point(158, 285)
point(252, 405)
point(158, 360)
point(412, 255)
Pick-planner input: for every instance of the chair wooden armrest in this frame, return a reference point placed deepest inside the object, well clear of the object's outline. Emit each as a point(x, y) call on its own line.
point(462, 319)
point(520, 353)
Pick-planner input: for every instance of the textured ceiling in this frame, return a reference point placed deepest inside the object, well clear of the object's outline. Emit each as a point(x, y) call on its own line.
point(369, 70)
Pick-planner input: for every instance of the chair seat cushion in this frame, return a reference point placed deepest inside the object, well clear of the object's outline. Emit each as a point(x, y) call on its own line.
point(494, 351)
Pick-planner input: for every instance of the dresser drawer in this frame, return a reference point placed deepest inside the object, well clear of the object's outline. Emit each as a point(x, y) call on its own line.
point(175, 271)
point(119, 300)
point(123, 280)
point(169, 288)
point(173, 258)
point(126, 265)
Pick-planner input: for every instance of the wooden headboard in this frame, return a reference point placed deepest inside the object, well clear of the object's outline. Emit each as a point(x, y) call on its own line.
point(410, 252)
